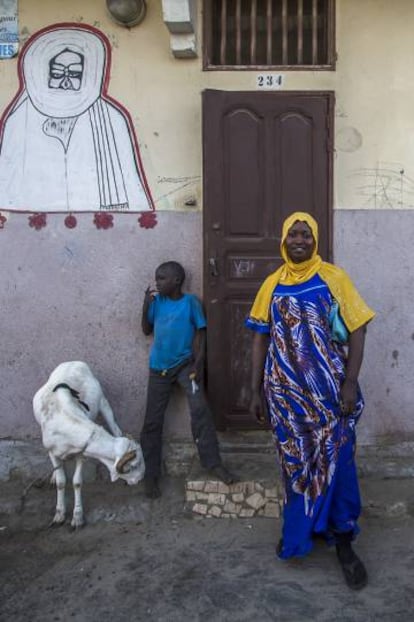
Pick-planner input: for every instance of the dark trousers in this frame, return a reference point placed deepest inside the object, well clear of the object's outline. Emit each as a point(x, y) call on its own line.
point(202, 426)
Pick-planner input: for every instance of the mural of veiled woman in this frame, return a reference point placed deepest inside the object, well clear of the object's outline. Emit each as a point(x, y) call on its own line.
point(65, 144)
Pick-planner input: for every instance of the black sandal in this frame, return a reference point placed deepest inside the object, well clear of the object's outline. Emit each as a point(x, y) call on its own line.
point(354, 571)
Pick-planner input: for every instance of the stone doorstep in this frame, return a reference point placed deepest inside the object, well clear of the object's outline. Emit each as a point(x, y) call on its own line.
point(257, 493)
point(246, 499)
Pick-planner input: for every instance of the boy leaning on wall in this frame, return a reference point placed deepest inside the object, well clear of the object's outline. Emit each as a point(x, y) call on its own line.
point(178, 324)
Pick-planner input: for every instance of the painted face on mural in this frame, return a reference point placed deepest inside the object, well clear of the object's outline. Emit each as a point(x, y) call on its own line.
point(65, 145)
point(65, 71)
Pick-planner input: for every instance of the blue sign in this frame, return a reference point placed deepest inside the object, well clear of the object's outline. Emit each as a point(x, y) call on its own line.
point(9, 29)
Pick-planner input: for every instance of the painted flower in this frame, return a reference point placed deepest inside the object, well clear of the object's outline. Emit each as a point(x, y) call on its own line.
point(37, 221)
point(147, 220)
point(103, 220)
point(70, 221)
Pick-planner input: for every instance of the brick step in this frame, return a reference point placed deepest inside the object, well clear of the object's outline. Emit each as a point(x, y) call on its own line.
point(257, 493)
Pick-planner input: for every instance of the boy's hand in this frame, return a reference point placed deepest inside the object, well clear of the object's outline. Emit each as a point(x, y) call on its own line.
point(150, 294)
point(196, 371)
point(194, 384)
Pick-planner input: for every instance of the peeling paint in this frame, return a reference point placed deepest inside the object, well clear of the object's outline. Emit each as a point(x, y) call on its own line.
point(348, 139)
point(24, 34)
point(113, 38)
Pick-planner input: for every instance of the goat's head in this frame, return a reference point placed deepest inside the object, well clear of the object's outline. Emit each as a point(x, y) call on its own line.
point(130, 466)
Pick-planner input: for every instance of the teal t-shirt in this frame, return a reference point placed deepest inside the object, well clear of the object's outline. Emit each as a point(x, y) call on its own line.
point(175, 323)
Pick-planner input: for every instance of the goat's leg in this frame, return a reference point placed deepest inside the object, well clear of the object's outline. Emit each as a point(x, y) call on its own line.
point(60, 481)
point(107, 413)
point(77, 519)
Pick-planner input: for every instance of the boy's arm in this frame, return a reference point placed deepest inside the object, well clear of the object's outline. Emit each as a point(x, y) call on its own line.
point(146, 326)
point(199, 350)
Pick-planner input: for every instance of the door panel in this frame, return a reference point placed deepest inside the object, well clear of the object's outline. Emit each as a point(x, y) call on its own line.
point(265, 155)
point(241, 128)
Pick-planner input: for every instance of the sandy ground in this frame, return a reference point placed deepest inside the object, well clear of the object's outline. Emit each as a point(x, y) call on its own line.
point(152, 561)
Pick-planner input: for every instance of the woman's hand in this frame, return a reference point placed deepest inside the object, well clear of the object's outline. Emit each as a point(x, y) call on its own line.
point(256, 407)
point(350, 385)
point(260, 346)
point(348, 396)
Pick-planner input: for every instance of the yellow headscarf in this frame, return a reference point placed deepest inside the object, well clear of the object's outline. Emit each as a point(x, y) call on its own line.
point(352, 307)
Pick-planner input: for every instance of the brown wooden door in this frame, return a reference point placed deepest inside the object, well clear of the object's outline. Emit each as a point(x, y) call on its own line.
point(265, 156)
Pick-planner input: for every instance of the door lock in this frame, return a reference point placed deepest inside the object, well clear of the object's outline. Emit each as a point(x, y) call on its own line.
point(213, 266)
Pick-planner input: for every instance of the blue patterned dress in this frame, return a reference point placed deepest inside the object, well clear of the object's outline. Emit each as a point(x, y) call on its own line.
point(304, 370)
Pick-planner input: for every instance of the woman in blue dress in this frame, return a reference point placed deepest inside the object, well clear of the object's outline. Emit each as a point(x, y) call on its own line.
point(310, 323)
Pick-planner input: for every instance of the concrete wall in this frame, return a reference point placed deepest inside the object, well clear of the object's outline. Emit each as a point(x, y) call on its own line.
point(375, 247)
point(69, 294)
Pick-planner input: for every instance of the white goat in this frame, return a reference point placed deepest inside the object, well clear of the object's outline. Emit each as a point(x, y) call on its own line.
point(65, 408)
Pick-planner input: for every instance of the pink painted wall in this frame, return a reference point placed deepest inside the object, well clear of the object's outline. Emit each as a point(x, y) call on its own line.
point(76, 294)
point(69, 294)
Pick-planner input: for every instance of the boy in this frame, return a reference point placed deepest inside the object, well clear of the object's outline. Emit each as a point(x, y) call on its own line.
point(177, 356)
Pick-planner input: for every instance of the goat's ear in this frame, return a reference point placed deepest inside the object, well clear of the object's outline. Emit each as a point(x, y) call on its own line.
point(127, 457)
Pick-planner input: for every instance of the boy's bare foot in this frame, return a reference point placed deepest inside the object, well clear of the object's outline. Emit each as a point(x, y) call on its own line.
point(152, 490)
point(223, 474)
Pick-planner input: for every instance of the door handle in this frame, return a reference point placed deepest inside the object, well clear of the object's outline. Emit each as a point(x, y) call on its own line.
point(213, 266)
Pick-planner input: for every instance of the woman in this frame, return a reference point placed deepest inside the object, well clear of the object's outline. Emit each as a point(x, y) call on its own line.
point(300, 315)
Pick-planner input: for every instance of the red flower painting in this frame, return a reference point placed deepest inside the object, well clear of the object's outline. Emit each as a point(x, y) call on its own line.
point(147, 220)
point(37, 221)
point(102, 220)
point(70, 221)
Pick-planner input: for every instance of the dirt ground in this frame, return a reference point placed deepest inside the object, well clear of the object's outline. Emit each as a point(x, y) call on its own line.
point(144, 560)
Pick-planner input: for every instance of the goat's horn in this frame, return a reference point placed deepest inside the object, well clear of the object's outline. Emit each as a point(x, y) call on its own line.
point(127, 457)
